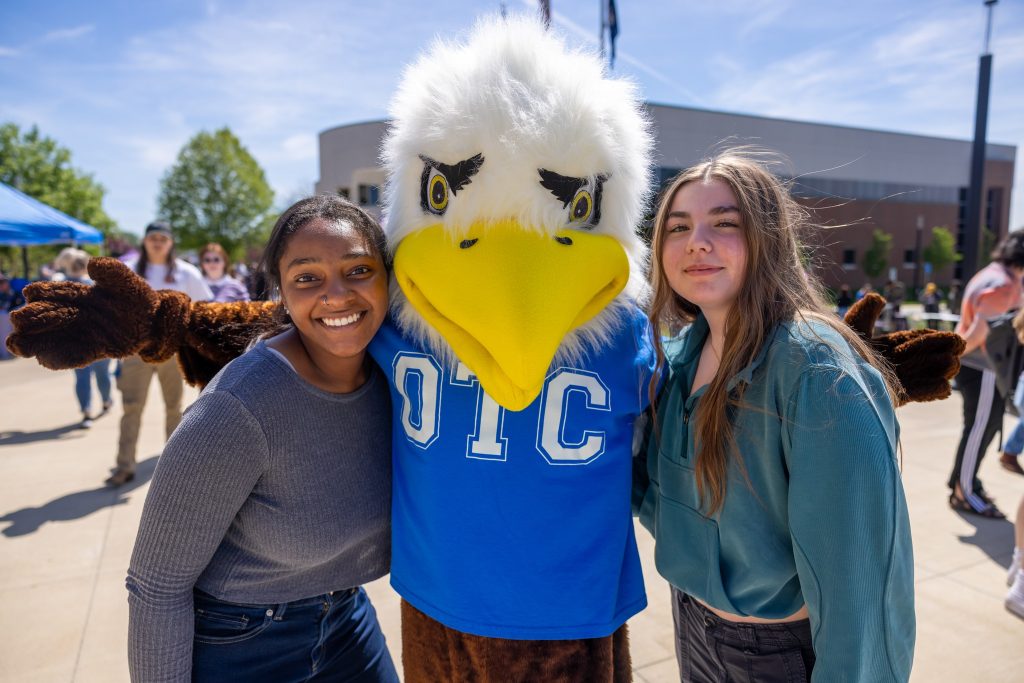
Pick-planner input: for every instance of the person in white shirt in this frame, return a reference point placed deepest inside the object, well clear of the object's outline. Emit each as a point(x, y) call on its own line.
point(162, 270)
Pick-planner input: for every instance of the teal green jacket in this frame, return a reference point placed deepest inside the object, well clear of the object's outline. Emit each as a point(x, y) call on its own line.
point(823, 520)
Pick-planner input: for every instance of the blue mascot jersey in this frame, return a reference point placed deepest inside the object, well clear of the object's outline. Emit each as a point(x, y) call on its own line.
point(517, 524)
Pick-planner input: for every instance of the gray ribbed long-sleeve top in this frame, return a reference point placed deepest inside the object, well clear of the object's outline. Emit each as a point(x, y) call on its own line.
point(269, 491)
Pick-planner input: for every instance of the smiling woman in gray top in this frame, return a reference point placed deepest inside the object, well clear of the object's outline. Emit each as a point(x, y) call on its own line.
point(271, 502)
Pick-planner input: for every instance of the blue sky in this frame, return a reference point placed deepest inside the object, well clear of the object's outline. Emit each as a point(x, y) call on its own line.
point(124, 84)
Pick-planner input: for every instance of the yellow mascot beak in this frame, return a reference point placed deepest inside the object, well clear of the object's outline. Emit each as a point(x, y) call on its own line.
point(505, 297)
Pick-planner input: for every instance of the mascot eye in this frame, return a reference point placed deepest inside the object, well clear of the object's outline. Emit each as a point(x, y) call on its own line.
point(437, 192)
point(582, 207)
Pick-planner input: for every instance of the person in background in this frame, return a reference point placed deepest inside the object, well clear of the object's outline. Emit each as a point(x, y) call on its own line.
point(844, 300)
point(9, 300)
point(216, 265)
point(1015, 577)
point(864, 291)
point(953, 297)
point(994, 290)
point(931, 299)
point(772, 486)
point(1014, 601)
point(160, 267)
point(73, 263)
point(1014, 444)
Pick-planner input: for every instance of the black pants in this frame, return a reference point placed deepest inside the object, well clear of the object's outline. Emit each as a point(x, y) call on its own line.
point(712, 650)
point(983, 415)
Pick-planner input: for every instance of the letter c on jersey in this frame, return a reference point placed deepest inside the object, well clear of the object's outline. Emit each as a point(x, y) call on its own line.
point(552, 441)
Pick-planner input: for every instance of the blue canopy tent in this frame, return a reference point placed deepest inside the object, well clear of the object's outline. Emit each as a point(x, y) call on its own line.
point(26, 222)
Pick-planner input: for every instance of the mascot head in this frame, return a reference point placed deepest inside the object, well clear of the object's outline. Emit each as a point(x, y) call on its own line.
point(518, 173)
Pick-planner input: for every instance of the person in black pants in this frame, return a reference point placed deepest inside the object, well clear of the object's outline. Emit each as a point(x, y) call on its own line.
point(994, 290)
point(983, 414)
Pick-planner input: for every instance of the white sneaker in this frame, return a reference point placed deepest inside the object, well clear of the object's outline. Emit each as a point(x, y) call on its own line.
point(1015, 603)
point(1015, 597)
point(1011, 573)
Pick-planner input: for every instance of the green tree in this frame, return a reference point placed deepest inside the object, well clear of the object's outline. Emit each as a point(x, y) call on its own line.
point(876, 258)
point(41, 168)
point(941, 251)
point(216, 192)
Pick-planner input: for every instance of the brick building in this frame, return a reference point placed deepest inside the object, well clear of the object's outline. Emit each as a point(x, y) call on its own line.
point(853, 180)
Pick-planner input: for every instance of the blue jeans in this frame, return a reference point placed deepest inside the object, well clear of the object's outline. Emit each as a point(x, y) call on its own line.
point(333, 637)
point(1015, 442)
point(83, 383)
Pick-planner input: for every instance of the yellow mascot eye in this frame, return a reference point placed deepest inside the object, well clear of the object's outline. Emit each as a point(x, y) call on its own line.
point(437, 192)
point(582, 207)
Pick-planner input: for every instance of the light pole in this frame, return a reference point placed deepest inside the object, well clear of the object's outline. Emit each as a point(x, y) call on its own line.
point(972, 223)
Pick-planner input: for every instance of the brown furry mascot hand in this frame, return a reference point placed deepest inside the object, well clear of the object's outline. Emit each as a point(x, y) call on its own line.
point(924, 360)
point(70, 324)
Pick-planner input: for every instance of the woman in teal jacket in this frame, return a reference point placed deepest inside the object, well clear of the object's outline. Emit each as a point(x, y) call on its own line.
point(770, 483)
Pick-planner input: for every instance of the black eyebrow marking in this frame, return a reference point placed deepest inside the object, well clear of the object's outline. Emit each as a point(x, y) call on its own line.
point(562, 186)
point(458, 175)
point(565, 188)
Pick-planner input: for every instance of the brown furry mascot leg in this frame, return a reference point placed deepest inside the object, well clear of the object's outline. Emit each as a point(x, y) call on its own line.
point(434, 653)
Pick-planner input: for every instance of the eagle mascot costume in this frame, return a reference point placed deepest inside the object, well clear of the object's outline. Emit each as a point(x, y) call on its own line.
point(517, 350)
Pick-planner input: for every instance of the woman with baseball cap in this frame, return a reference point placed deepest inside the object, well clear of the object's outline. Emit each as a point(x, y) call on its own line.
point(160, 267)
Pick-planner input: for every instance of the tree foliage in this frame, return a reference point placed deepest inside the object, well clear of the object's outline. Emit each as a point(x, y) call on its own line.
point(215, 192)
point(41, 168)
point(876, 258)
point(941, 251)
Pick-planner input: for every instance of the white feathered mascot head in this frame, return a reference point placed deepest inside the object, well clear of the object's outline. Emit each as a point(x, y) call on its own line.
point(518, 173)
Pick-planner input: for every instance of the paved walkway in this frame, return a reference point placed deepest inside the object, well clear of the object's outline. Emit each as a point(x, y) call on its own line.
point(65, 541)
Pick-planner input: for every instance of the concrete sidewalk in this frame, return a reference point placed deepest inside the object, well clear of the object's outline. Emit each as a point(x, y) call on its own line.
point(65, 542)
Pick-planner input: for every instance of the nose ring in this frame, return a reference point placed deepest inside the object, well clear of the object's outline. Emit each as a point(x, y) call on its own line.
point(324, 299)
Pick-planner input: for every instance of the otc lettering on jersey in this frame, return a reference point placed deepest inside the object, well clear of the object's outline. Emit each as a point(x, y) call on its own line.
point(517, 524)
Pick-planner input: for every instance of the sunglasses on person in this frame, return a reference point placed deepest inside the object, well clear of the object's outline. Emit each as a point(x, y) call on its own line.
point(212, 259)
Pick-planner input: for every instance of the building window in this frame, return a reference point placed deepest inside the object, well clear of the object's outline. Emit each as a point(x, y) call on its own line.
point(909, 259)
point(849, 259)
point(369, 195)
point(343, 192)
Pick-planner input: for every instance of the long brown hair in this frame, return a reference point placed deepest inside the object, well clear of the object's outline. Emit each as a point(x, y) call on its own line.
point(142, 264)
point(776, 288)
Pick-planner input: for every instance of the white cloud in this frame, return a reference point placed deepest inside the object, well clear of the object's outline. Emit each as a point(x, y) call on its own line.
point(154, 153)
point(8, 51)
point(67, 33)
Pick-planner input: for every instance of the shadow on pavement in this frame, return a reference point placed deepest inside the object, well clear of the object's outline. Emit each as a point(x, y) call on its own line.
point(76, 505)
point(13, 438)
point(993, 536)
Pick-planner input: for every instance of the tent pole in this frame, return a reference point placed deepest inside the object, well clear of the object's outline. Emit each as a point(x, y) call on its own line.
point(24, 261)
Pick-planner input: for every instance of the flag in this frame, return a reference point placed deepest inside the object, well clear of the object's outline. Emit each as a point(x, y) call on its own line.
point(613, 29)
point(545, 12)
